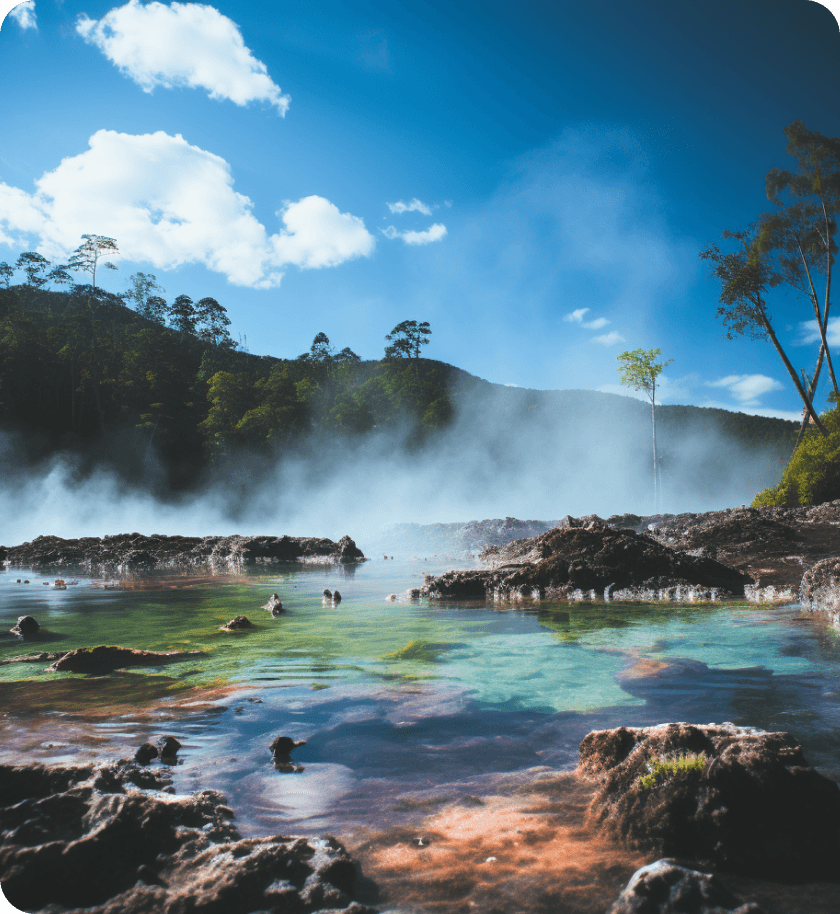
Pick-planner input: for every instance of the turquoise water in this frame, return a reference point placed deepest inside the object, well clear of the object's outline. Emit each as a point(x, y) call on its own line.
point(394, 698)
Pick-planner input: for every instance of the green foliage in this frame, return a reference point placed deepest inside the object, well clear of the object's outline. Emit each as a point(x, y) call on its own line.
point(813, 474)
point(639, 369)
point(661, 769)
point(406, 339)
point(419, 650)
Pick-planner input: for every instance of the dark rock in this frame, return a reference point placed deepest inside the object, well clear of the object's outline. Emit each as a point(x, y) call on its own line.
point(750, 802)
point(168, 747)
point(26, 627)
point(145, 754)
point(133, 550)
point(274, 606)
point(281, 749)
point(336, 597)
point(105, 658)
point(585, 556)
point(327, 594)
point(240, 623)
point(665, 887)
point(87, 838)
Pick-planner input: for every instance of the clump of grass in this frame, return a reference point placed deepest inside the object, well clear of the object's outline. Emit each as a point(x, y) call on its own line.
point(318, 686)
point(661, 769)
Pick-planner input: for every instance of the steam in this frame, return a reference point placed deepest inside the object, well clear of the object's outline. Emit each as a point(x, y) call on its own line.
point(510, 452)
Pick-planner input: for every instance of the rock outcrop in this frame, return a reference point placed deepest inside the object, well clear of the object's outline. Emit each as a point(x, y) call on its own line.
point(26, 627)
point(107, 657)
point(111, 838)
point(665, 887)
point(237, 624)
point(820, 590)
point(735, 798)
point(129, 551)
point(586, 557)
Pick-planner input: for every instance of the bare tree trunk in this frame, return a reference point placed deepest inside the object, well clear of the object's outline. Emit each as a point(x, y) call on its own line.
point(655, 460)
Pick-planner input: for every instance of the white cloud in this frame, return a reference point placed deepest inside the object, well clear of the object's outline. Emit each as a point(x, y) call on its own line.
point(169, 203)
point(576, 317)
point(184, 44)
point(24, 15)
point(413, 206)
point(747, 388)
point(809, 332)
point(433, 233)
point(609, 339)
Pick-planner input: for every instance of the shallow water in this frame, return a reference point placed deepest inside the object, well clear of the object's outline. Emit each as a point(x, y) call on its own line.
point(406, 706)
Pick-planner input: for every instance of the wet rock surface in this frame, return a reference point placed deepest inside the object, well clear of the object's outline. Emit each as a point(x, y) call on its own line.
point(585, 556)
point(107, 657)
point(750, 803)
point(111, 839)
point(135, 551)
point(237, 624)
point(25, 627)
point(665, 887)
point(820, 589)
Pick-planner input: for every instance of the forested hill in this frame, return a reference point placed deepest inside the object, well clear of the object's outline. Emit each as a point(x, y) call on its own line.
point(84, 374)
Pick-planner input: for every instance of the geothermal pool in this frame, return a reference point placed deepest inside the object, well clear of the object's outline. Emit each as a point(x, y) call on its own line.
point(414, 712)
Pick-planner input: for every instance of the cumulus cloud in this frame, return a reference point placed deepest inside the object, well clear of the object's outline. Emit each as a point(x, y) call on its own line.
point(433, 233)
point(747, 388)
point(169, 203)
point(809, 332)
point(413, 206)
point(609, 339)
point(24, 15)
point(184, 44)
point(576, 317)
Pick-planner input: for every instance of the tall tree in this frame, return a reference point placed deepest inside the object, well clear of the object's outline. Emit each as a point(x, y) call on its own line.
point(639, 370)
point(745, 274)
point(807, 201)
point(87, 255)
point(182, 314)
point(144, 293)
point(6, 274)
point(212, 323)
point(34, 265)
point(406, 339)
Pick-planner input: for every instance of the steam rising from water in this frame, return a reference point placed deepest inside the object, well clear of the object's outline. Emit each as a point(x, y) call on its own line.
point(525, 454)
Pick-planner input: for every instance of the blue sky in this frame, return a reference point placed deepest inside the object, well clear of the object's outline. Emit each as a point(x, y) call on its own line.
point(535, 180)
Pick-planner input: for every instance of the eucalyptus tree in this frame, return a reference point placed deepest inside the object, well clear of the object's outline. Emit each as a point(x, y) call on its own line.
point(34, 265)
point(6, 273)
point(87, 255)
point(144, 293)
point(212, 322)
point(639, 370)
point(745, 274)
point(182, 315)
point(803, 229)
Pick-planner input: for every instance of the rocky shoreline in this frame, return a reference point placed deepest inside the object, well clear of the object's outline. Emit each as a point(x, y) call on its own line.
point(760, 554)
point(726, 801)
point(134, 551)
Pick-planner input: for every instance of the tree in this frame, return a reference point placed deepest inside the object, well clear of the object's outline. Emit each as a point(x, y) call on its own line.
point(34, 265)
point(143, 293)
point(745, 275)
point(182, 314)
point(212, 323)
point(807, 201)
point(87, 255)
point(6, 273)
point(639, 370)
point(406, 339)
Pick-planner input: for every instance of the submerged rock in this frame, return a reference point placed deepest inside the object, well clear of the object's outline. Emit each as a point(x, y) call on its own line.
point(239, 624)
point(274, 605)
point(26, 627)
point(739, 798)
point(86, 838)
point(168, 747)
point(281, 750)
point(145, 754)
point(107, 657)
point(585, 557)
point(665, 887)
